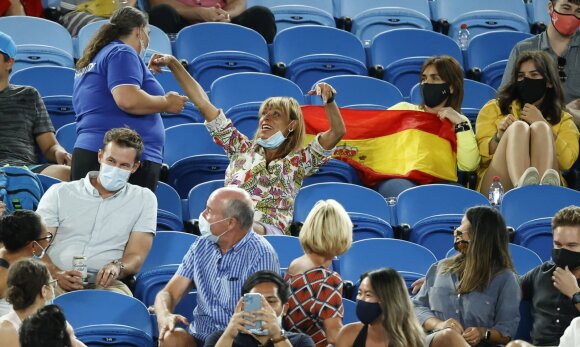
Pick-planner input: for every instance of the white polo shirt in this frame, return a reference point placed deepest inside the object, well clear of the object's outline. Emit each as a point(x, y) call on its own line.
point(94, 227)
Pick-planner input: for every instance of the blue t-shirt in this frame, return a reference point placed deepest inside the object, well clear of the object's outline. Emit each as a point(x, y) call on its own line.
point(96, 111)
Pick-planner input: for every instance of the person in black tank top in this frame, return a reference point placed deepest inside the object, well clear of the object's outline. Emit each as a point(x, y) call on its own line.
point(384, 310)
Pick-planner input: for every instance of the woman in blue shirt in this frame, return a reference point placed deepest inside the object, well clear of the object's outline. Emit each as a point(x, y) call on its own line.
point(472, 298)
point(113, 88)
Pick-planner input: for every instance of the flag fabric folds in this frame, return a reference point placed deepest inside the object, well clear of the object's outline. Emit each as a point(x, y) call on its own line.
point(384, 144)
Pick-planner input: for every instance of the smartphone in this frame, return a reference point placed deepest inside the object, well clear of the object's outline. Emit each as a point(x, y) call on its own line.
point(252, 303)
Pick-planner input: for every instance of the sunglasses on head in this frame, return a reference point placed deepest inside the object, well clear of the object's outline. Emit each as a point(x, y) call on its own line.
point(561, 66)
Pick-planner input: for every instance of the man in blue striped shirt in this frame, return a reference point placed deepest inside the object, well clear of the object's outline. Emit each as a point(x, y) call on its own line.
point(218, 263)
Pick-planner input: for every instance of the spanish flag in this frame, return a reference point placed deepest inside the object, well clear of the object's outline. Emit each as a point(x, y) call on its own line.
point(391, 144)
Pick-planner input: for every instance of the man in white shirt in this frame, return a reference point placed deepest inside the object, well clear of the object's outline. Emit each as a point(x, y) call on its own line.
point(101, 217)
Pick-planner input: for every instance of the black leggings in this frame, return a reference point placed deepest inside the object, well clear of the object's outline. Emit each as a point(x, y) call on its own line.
point(258, 18)
point(147, 175)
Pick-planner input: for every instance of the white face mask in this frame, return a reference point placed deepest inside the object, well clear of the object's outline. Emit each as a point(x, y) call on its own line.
point(273, 141)
point(144, 48)
point(113, 178)
point(205, 228)
point(39, 256)
point(51, 300)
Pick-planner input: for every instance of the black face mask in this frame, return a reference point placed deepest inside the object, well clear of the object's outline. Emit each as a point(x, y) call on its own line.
point(563, 257)
point(530, 91)
point(434, 94)
point(367, 312)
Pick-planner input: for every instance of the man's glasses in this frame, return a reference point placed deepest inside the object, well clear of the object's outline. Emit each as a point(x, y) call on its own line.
point(561, 66)
point(52, 283)
point(47, 238)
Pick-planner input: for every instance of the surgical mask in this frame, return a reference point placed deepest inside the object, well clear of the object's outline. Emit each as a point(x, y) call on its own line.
point(144, 48)
point(434, 94)
point(279, 320)
point(367, 312)
point(113, 178)
point(50, 301)
point(205, 228)
point(565, 24)
point(563, 257)
point(273, 141)
point(38, 257)
point(531, 90)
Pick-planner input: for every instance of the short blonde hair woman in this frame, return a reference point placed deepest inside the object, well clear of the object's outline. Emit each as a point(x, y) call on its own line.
point(315, 305)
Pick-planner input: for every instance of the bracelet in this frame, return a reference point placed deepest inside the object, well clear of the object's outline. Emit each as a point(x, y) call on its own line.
point(279, 339)
point(495, 138)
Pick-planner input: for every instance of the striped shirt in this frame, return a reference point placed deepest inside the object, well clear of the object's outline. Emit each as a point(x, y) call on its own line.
point(219, 278)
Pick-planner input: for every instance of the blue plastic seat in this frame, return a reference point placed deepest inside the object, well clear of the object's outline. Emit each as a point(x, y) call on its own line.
point(524, 259)
point(536, 235)
point(66, 136)
point(488, 65)
point(60, 109)
point(365, 226)
point(179, 144)
point(353, 198)
point(480, 16)
point(420, 202)
point(188, 172)
point(48, 80)
point(400, 63)
point(360, 90)
point(349, 311)
point(333, 171)
point(368, 18)
point(475, 95)
point(100, 316)
point(298, 12)
point(158, 40)
point(435, 232)
point(371, 254)
point(167, 221)
point(213, 50)
point(198, 195)
point(39, 42)
point(190, 113)
point(288, 248)
point(538, 15)
point(168, 199)
point(308, 53)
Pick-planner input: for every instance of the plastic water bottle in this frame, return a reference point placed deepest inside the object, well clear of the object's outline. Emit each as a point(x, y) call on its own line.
point(495, 192)
point(463, 37)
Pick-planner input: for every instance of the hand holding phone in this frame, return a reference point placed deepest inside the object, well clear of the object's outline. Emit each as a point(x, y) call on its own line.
point(253, 303)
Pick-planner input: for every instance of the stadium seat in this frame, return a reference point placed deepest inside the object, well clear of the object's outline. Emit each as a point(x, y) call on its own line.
point(298, 12)
point(167, 221)
point(308, 53)
point(396, 61)
point(190, 113)
point(39, 42)
point(352, 90)
point(101, 318)
point(48, 80)
point(538, 15)
point(368, 18)
point(485, 64)
point(288, 248)
point(60, 109)
point(168, 199)
point(185, 308)
point(524, 259)
point(213, 50)
point(480, 16)
point(435, 232)
point(353, 198)
point(420, 202)
point(475, 95)
point(365, 226)
point(178, 242)
point(371, 254)
point(185, 140)
point(536, 235)
point(47, 181)
point(242, 105)
point(66, 136)
point(333, 171)
point(188, 172)
point(198, 195)
point(349, 312)
point(158, 40)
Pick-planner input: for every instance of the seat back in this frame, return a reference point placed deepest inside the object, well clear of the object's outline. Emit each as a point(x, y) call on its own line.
point(435, 232)
point(198, 195)
point(169, 247)
point(420, 202)
point(365, 226)
point(349, 311)
point(167, 221)
point(536, 235)
point(353, 198)
point(333, 171)
point(178, 144)
point(188, 172)
point(354, 90)
point(298, 12)
point(60, 109)
point(478, 53)
point(66, 136)
point(535, 201)
point(288, 248)
point(168, 199)
point(48, 80)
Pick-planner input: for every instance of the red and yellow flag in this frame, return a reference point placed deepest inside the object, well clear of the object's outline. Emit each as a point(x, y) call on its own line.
point(391, 144)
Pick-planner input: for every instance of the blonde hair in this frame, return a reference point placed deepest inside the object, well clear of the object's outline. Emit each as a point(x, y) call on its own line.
point(567, 217)
point(327, 230)
point(291, 108)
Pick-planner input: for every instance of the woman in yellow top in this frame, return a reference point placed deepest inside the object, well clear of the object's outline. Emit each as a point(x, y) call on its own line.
point(525, 133)
point(442, 93)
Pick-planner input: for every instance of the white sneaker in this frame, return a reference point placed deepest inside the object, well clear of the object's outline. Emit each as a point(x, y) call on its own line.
point(529, 177)
point(550, 178)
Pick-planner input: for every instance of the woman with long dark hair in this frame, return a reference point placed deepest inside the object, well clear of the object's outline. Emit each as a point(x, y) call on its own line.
point(525, 136)
point(113, 88)
point(385, 312)
point(472, 298)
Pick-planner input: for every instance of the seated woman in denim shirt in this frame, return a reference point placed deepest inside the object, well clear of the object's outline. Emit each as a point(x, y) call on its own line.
point(472, 298)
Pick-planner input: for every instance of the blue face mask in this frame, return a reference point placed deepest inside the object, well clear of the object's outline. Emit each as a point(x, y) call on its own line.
point(39, 256)
point(143, 52)
point(273, 141)
point(205, 229)
point(113, 178)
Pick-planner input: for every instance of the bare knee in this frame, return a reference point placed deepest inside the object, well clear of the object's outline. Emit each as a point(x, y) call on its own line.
point(61, 172)
point(518, 343)
point(178, 338)
point(540, 127)
point(448, 337)
point(518, 128)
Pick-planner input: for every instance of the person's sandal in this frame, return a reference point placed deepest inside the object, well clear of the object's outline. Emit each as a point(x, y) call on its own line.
point(529, 177)
point(550, 178)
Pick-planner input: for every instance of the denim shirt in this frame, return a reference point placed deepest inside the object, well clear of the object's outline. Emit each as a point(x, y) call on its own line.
point(495, 307)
